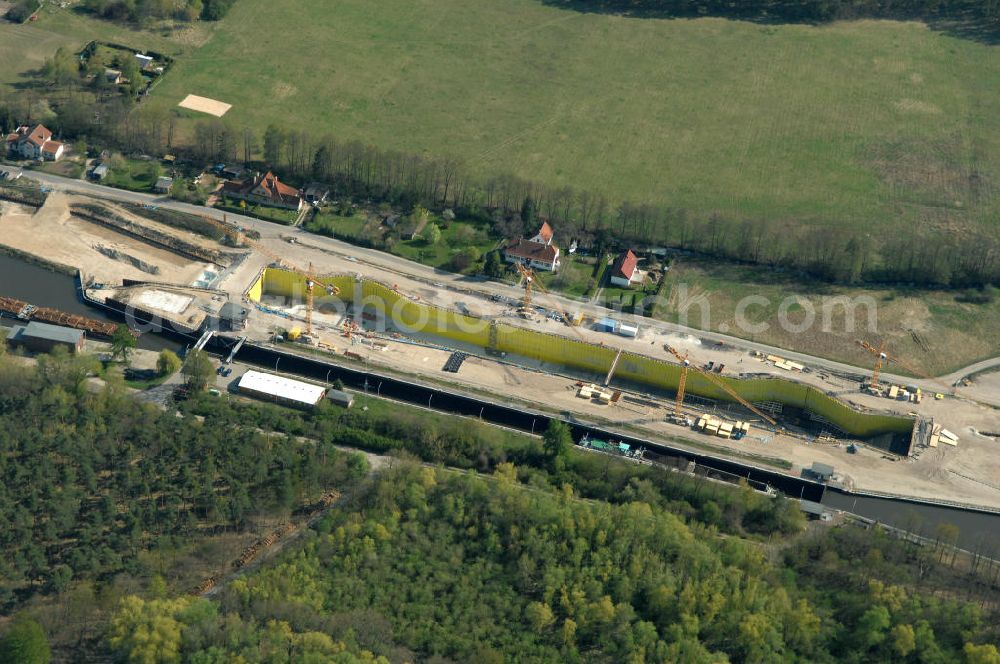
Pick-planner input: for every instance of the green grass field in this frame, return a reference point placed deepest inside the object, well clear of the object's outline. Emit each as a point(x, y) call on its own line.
point(876, 125)
point(853, 123)
point(861, 123)
point(933, 331)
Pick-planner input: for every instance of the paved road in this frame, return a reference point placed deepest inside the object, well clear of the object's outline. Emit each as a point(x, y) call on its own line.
point(436, 277)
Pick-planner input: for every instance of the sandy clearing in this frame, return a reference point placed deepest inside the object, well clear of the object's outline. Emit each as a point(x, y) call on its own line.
point(205, 105)
point(53, 233)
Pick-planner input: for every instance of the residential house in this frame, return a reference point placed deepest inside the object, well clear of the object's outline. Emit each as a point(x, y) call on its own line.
point(113, 76)
point(544, 234)
point(163, 185)
point(232, 172)
point(145, 62)
point(35, 143)
point(266, 190)
point(538, 252)
point(625, 270)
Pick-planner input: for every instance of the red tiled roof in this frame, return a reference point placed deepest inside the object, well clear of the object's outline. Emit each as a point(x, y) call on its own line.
point(545, 232)
point(528, 250)
point(276, 190)
point(51, 147)
point(624, 266)
point(37, 135)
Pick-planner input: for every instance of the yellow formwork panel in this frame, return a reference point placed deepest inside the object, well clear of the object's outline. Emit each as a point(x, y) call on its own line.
point(555, 349)
point(577, 354)
point(256, 290)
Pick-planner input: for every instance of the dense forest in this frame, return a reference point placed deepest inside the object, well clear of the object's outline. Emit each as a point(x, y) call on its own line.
point(429, 565)
point(90, 480)
point(557, 555)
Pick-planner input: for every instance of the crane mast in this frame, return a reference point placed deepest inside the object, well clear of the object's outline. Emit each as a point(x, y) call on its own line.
point(715, 381)
point(309, 274)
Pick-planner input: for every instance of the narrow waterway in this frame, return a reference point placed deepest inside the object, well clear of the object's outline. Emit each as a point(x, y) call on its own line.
point(45, 288)
point(978, 531)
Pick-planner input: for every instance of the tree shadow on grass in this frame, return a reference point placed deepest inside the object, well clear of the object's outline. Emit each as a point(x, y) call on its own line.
point(970, 23)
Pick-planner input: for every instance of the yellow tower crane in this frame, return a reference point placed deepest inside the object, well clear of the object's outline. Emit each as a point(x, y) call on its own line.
point(310, 274)
point(882, 358)
point(721, 384)
point(681, 388)
point(528, 276)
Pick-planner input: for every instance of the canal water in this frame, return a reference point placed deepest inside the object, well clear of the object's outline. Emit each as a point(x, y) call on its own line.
point(45, 288)
point(978, 531)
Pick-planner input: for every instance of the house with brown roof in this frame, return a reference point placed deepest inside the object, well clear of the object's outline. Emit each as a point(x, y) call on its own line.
point(265, 189)
point(544, 234)
point(625, 270)
point(538, 252)
point(35, 143)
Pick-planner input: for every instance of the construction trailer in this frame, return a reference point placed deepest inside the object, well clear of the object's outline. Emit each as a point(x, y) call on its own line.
point(606, 325)
point(626, 330)
point(821, 471)
point(814, 510)
point(233, 316)
point(278, 389)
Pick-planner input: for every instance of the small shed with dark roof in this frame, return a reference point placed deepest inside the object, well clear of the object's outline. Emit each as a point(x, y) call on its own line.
point(233, 316)
point(821, 471)
point(44, 338)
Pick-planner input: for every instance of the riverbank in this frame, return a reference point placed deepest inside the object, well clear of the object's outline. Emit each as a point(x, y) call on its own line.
point(33, 259)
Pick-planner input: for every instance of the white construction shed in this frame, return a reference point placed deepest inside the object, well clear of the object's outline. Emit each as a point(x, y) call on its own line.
point(279, 389)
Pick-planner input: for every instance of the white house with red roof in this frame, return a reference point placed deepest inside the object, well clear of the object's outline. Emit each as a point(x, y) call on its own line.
point(544, 234)
point(625, 270)
point(35, 143)
point(538, 252)
point(265, 189)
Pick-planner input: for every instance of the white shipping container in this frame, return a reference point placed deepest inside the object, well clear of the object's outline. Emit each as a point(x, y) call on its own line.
point(627, 330)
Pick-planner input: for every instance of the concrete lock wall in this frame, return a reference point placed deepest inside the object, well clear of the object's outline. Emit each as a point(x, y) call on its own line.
point(404, 312)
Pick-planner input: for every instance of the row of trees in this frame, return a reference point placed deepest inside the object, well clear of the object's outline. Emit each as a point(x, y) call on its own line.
point(987, 11)
point(511, 206)
point(140, 11)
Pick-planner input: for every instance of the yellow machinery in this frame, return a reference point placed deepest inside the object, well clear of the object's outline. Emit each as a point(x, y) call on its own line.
point(721, 384)
point(309, 274)
point(528, 275)
point(882, 358)
point(681, 387)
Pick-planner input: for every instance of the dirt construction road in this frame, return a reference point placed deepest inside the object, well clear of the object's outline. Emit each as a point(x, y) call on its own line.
point(383, 266)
